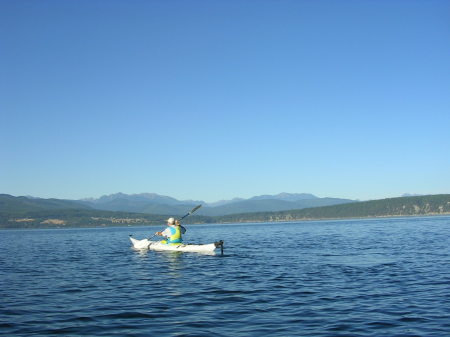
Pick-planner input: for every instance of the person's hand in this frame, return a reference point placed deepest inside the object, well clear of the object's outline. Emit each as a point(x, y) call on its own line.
point(158, 233)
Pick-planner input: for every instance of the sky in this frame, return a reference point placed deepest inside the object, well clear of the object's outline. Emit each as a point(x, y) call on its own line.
point(216, 99)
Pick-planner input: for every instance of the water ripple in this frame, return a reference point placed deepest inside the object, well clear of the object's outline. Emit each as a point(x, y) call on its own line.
point(386, 277)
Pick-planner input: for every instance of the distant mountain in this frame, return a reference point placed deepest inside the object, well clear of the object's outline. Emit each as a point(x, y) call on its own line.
point(9, 203)
point(141, 203)
point(411, 195)
point(269, 205)
point(286, 197)
point(151, 203)
point(137, 198)
point(223, 202)
point(247, 206)
point(280, 196)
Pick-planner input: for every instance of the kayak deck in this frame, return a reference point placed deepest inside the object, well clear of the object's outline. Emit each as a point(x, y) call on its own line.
point(157, 245)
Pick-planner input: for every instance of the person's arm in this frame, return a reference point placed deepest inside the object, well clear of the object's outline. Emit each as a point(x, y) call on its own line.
point(165, 232)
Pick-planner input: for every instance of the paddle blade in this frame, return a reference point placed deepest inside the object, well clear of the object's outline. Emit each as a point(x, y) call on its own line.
point(195, 208)
point(192, 211)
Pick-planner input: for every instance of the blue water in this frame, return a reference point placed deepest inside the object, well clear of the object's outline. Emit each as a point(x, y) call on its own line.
point(384, 277)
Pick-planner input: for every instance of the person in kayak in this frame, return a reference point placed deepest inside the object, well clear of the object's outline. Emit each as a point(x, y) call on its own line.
point(173, 232)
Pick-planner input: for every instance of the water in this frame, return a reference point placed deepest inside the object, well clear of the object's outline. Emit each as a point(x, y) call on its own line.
point(384, 277)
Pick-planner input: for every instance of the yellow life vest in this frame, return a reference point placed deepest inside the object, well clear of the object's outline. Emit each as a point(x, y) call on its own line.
point(176, 235)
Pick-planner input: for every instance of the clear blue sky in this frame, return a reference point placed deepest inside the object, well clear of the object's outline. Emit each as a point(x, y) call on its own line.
point(219, 99)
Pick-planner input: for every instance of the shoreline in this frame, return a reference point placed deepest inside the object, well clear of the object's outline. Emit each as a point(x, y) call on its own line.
point(446, 214)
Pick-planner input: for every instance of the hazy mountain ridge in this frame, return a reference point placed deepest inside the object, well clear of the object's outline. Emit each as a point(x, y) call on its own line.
point(270, 205)
point(138, 198)
point(152, 203)
point(286, 196)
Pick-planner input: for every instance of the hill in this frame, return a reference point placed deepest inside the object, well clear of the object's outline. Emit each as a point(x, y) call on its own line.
point(9, 203)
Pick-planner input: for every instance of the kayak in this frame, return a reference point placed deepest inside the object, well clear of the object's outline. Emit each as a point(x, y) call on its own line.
point(157, 245)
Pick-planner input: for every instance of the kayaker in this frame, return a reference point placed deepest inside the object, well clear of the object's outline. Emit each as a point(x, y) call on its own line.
point(173, 232)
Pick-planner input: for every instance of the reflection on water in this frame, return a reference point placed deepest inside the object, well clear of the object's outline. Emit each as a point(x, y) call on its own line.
point(169, 260)
point(141, 252)
point(172, 260)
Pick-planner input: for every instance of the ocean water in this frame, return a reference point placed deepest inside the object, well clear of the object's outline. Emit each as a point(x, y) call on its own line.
point(379, 277)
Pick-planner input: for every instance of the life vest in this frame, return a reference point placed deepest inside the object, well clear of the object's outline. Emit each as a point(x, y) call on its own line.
point(175, 236)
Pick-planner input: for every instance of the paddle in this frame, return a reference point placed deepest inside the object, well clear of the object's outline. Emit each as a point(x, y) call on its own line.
point(187, 214)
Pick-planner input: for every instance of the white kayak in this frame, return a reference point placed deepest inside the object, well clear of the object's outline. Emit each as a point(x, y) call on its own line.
point(157, 245)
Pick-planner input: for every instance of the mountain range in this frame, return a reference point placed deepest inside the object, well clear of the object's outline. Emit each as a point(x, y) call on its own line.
point(152, 203)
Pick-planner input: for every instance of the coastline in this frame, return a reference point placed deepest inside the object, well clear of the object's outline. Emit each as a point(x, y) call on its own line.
point(430, 215)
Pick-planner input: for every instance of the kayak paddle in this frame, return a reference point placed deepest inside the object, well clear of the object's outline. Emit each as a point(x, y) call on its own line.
point(189, 213)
